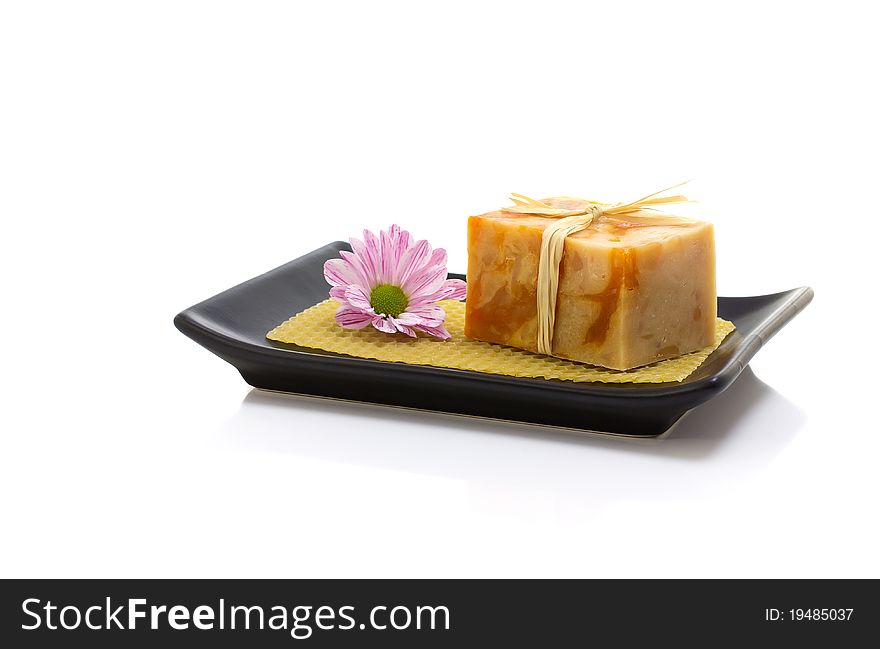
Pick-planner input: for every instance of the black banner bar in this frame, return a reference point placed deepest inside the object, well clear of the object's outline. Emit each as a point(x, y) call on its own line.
point(433, 613)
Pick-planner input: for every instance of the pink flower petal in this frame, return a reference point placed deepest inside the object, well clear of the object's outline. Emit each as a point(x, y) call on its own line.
point(400, 241)
point(428, 314)
point(438, 257)
point(437, 332)
point(368, 252)
point(402, 327)
point(357, 297)
point(454, 289)
point(383, 325)
point(413, 261)
point(428, 282)
point(339, 272)
point(410, 319)
point(338, 293)
point(429, 278)
point(353, 318)
point(387, 261)
point(451, 289)
point(360, 266)
point(404, 239)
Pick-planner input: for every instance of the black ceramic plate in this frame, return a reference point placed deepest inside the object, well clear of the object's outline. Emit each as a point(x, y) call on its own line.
point(234, 323)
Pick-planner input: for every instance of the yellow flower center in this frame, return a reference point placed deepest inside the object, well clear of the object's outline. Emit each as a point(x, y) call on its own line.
point(389, 300)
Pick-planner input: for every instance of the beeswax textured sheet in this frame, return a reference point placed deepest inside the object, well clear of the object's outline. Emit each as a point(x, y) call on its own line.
point(316, 328)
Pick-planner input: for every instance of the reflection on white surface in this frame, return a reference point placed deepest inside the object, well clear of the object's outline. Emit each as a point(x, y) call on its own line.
point(714, 447)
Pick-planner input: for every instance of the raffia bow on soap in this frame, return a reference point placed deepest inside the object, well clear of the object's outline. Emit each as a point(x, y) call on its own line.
point(572, 220)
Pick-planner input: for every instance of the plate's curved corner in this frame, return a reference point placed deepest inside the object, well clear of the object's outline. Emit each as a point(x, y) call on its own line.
point(180, 322)
point(805, 296)
point(185, 324)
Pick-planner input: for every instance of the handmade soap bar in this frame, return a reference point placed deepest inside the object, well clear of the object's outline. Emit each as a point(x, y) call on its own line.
point(632, 290)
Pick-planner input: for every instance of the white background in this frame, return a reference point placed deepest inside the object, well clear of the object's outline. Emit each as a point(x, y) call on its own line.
point(155, 153)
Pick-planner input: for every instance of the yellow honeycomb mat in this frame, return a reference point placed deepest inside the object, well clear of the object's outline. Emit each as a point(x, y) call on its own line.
point(316, 328)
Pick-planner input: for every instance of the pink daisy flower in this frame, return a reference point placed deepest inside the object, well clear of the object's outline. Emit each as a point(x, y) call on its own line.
point(394, 283)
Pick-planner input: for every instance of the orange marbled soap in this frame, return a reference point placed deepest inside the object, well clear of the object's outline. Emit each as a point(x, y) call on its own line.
point(631, 291)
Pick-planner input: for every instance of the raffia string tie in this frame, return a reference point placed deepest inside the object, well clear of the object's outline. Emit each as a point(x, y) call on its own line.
point(638, 212)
